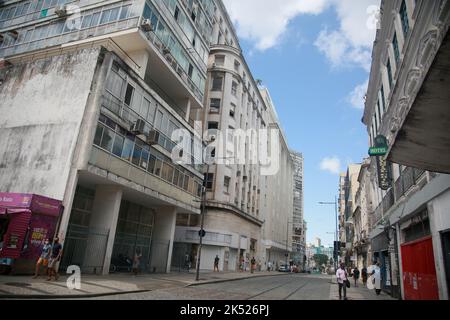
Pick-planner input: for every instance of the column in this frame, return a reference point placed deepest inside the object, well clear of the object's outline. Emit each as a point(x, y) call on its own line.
point(105, 214)
point(162, 239)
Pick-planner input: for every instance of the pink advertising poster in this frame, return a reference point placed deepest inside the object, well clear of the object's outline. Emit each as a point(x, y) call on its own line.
point(41, 227)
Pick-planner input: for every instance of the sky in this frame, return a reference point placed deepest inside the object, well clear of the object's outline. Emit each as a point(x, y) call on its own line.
point(314, 56)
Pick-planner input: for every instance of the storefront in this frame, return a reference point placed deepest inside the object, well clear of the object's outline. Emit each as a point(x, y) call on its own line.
point(418, 262)
point(26, 220)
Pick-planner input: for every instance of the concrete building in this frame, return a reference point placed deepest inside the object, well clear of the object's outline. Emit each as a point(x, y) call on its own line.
point(299, 232)
point(247, 212)
point(90, 97)
point(341, 208)
point(407, 102)
point(363, 208)
point(351, 186)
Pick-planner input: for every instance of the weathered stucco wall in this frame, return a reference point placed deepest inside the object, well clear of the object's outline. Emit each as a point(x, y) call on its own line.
point(41, 107)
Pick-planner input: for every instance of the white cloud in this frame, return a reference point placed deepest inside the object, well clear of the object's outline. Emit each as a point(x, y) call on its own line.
point(265, 21)
point(332, 164)
point(351, 45)
point(356, 97)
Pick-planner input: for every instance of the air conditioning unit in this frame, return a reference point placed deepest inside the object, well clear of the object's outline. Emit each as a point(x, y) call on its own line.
point(214, 65)
point(147, 25)
point(153, 137)
point(61, 10)
point(138, 127)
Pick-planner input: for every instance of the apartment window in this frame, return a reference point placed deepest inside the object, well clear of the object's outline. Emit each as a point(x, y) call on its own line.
point(379, 110)
point(226, 184)
point(383, 98)
point(375, 119)
point(230, 134)
point(209, 180)
point(190, 71)
point(217, 83)
point(213, 125)
point(389, 71)
point(177, 12)
point(215, 105)
point(396, 49)
point(129, 95)
point(232, 110)
point(404, 18)
point(237, 65)
point(219, 60)
point(234, 87)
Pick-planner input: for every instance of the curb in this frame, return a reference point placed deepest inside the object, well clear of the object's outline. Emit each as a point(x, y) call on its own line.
point(68, 296)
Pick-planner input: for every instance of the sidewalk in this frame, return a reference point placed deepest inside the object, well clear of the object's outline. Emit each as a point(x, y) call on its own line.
point(25, 287)
point(357, 293)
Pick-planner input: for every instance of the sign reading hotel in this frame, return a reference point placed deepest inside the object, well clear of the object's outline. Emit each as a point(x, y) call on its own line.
point(384, 169)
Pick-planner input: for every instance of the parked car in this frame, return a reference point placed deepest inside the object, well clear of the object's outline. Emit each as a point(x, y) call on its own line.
point(284, 268)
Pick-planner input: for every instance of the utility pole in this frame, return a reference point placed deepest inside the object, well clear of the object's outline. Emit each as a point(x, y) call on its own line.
point(202, 223)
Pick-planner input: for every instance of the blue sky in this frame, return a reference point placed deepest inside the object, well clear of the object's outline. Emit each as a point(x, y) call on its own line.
point(314, 57)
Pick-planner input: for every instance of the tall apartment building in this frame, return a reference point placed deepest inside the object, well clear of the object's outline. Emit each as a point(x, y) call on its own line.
point(233, 216)
point(299, 232)
point(407, 103)
point(278, 201)
point(341, 208)
point(91, 94)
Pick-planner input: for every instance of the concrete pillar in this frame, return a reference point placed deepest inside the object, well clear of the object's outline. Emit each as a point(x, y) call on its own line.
point(105, 213)
point(188, 109)
point(162, 239)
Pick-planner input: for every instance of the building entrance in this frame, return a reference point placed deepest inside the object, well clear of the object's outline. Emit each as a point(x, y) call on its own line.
point(133, 237)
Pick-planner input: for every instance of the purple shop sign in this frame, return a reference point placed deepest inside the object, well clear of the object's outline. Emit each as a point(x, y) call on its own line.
point(18, 200)
point(37, 204)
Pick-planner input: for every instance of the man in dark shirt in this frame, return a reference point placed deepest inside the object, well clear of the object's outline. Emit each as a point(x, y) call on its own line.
point(55, 256)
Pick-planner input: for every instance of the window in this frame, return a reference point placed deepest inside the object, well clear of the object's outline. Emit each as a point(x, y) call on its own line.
point(232, 110)
point(383, 99)
point(217, 83)
point(389, 71)
point(213, 125)
point(237, 65)
point(226, 184)
point(118, 145)
point(177, 12)
point(190, 71)
point(404, 18)
point(396, 49)
point(107, 139)
point(209, 179)
point(215, 105)
point(129, 95)
point(234, 87)
point(219, 60)
point(379, 110)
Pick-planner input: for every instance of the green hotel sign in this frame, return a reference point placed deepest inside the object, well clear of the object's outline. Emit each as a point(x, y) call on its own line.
point(378, 151)
point(380, 148)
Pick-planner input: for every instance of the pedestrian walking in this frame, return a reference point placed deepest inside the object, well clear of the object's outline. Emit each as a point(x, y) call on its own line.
point(216, 263)
point(356, 276)
point(43, 258)
point(55, 256)
point(269, 266)
point(187, 261)
point(136, 261)
point(253, 265)
point(342, 279)
point(376, 278)
point(364, 275)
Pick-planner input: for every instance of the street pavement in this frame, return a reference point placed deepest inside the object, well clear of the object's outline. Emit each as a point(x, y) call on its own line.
point(182, 286)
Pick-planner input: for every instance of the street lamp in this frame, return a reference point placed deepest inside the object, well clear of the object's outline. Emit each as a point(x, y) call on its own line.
point(202, 221)
point(336, 237)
